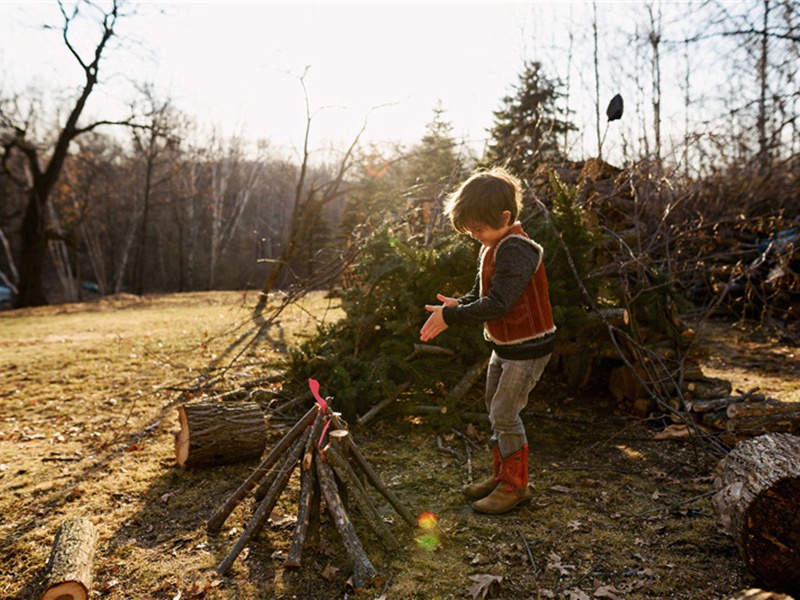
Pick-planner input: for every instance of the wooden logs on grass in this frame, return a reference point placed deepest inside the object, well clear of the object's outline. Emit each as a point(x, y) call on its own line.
point(329, 458)
point(758, 502)
point(219, 517)
point(70, 566)
point(214, 433)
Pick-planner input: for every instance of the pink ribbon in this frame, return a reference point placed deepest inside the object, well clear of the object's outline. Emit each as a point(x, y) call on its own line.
point(314, 385)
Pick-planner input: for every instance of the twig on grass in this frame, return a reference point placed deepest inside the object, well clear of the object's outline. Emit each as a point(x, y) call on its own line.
point(527, 548)
point(675, 505)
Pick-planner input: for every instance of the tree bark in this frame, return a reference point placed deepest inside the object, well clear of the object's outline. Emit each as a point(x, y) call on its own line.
point(214, 433)
point(364, 573)
point(360, 496)
point(758, 502)
point(265, 507)
point(70, 566)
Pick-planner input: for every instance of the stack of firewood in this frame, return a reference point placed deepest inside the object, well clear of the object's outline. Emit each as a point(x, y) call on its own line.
point(330, 463)
point(746, 414)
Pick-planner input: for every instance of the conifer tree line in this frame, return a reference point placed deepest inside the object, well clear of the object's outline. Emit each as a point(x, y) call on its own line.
point(150, 203)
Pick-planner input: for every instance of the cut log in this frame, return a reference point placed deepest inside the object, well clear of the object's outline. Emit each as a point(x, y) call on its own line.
point(780, 422)
point(429, 350)
point(758, 503)
point(214, 433)
point(762, 409)
point(378, 408)
point(759, 594)
point(469, 379)
point(219, 517)
point(70, 567)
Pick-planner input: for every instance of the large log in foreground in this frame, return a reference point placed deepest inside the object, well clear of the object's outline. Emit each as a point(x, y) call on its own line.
point(214, 433)
point(758, 502)
point(70, 566)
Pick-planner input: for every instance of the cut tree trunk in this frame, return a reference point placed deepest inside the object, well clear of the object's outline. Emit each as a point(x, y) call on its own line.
point(758, 502)
point(70, 566)
point(759, 594)
point(214, 433)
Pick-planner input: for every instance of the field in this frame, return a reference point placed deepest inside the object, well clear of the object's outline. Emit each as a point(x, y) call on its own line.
point(88, 396)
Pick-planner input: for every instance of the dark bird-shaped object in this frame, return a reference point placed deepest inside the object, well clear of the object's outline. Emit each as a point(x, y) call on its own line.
point(615, 107)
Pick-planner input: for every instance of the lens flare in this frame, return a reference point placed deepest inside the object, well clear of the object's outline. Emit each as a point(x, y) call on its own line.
point(428, 536)
point(376, 166)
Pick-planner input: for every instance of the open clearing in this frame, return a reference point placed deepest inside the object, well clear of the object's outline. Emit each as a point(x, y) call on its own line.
point(87, 428)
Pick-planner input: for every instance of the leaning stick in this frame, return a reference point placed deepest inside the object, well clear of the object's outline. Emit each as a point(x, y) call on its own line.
point(309, 496)
point(364, 573)
point(375, 479)
point(348, 475)
point(266, 484)
point(265, 507)
point(305, 505)
point(218, 519)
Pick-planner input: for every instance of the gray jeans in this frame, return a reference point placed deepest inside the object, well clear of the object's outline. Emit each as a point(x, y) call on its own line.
point(508, 383)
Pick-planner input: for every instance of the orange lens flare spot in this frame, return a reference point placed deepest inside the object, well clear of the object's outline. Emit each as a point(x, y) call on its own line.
point(427, 520)
point(376, 166)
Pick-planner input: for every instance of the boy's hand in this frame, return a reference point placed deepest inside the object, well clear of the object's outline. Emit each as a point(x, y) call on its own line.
point(435, 323)
point(447, 301)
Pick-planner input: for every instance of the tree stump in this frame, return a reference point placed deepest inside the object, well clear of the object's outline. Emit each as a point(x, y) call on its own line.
point(759, 594)
point(215, 433)
point(758, 502)
point(70, 566)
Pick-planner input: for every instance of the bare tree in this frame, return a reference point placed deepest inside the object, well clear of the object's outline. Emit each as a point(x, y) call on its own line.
point(654, 36)
point(309, 200)
point(44, 165)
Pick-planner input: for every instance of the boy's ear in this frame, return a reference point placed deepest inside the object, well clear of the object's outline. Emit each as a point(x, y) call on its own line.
point(507, 217)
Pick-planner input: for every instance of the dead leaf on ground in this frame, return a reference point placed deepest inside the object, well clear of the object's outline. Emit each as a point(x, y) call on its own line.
point(484, 584)
point(330, 572)
point(554, 563)
point(608, 591)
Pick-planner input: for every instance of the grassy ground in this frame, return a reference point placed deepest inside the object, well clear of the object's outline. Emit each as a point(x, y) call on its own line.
point(88, 399)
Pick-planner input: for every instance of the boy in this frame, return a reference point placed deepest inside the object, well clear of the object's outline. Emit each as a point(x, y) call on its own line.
point(510, 298)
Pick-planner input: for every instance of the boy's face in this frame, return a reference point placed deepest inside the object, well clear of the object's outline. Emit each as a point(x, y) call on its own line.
point(488, 235)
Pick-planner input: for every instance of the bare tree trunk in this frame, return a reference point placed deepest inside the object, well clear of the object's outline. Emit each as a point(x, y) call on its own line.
point(655, 43)
point(34, 226)
point(761, 123)
point(596, 81)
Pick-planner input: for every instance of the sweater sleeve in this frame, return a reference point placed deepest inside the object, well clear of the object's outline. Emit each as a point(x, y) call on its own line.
point(515, 263)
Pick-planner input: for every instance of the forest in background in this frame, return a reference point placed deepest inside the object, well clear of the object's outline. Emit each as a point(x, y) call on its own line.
point(88, 210)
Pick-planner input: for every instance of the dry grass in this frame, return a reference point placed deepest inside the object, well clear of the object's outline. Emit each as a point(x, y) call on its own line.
point(87, 426)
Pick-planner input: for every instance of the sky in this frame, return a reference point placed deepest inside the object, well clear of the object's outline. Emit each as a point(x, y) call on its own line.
point(236, 66)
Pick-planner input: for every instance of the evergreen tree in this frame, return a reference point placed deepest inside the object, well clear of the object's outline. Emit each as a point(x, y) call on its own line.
point(528, 127)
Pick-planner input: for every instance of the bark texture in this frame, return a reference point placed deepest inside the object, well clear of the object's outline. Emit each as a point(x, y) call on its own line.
point(214, 433)
point(758, 502)
point(70, 566)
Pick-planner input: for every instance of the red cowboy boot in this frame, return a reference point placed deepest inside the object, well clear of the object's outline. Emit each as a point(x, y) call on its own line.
point(481, 489)
point(512, 489)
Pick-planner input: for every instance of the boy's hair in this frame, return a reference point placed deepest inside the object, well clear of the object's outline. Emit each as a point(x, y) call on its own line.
point(483, 198)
